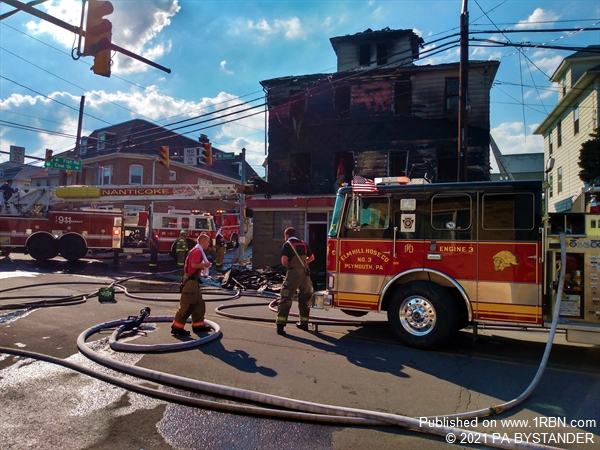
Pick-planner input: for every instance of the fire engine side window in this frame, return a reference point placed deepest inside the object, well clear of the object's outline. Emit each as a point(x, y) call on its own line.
point(202, 224)
point(451, 216)
point(508, 216)
point(169, 222)
point(185, 222)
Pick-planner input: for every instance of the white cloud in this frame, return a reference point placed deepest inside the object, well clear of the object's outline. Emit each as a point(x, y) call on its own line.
point(135, 27)
point(291, 29)
point(511, 138)
point(66, 10)
point(224, 69)
point(538, 19)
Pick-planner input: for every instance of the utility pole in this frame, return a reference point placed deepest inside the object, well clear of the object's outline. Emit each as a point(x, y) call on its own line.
point(78, 138)
point(463, 117)
point(242, 238)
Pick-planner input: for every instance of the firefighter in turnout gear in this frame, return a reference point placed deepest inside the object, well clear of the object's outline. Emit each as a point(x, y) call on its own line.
point(181, 247)
point(220, 249)
point(191, 301)
point(153, 245)
point(295, 255)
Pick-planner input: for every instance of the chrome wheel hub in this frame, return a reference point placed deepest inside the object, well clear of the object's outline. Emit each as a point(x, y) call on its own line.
point(417, 316)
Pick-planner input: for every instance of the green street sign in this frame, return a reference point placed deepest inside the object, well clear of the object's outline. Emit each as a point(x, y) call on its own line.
point(224, 155)
point(66, 164)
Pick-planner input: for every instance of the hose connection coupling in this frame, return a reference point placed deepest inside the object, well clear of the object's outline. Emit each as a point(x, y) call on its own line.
point(134, 322)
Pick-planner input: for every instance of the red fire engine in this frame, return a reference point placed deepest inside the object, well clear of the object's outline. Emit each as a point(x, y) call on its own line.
point(34, 223)
point(69, 234)
point(229, 223)
point(438, 257)
point(169, 226)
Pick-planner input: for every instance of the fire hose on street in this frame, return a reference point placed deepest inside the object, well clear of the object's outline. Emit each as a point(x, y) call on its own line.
point(276, 406)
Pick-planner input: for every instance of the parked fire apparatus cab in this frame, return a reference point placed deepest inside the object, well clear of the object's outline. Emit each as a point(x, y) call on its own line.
point(44, 233)
point(170, 225)
point(229, 223)
point(438, 257)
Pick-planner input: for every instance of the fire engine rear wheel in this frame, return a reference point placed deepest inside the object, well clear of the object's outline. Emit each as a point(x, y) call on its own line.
point(42, 246)
point(72, 247)
point(234, 241)
point(422, 315)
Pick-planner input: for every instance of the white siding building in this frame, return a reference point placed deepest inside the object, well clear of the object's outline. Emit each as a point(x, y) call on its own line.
point(570, 123)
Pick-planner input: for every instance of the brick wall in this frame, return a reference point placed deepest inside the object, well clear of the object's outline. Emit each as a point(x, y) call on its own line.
point(266, 250)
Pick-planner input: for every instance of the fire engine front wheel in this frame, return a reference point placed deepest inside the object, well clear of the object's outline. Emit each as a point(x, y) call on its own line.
point(72, 247)
point(42, 246)
point(422, 315)
point(234, 241)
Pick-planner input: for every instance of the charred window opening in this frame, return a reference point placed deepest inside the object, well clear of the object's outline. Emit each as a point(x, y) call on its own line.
point(397, 163)
point(382, 53)
point(402, 98)
point(342, 102)
point(299, 168)
point(364, 54)
point(447, 164)
point(452, 94)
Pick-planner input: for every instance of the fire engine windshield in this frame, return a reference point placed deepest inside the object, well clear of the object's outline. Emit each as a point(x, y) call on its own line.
point(337, 215)
point(372, 212)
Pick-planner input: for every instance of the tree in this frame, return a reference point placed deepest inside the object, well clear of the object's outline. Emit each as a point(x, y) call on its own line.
point(589, 159)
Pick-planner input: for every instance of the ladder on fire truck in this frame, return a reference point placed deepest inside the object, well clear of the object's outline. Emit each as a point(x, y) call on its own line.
point(502, 163)
point(32, 200)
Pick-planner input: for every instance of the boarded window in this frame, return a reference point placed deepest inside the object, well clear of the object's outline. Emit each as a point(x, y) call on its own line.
point(402, 98)
point(559, 133)
point(342, 101)
point(364, 54)
point(284, 219)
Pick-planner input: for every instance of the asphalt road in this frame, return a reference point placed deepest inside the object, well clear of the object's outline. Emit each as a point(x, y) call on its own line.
point(45, 406)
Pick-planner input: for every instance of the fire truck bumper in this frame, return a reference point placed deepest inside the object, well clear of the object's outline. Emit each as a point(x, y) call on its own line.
point(322, 300)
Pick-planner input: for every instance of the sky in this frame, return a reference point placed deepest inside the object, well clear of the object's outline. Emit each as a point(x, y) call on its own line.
point(219, 51)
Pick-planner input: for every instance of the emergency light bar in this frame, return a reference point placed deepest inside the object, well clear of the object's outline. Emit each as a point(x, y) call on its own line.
point(392, 180)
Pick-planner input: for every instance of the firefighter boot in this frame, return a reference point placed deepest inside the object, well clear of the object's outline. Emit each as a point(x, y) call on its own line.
point(280, 329)
point(179, 331)
point(303, 324)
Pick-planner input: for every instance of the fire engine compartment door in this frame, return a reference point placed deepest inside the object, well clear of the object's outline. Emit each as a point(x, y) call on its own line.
point(509, 266)
point(365, 251)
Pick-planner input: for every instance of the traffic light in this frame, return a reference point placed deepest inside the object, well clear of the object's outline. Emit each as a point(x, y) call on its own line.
point(206, 155)
point(164, 155)
point(98, 33)
point(48, 158)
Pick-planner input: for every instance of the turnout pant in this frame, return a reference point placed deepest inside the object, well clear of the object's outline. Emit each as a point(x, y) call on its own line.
point(296, 279)
point(190, 303)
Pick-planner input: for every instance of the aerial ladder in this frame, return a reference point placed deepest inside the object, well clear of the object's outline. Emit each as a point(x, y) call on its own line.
point(505, 174)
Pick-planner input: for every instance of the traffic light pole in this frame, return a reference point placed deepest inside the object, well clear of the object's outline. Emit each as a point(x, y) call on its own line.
point(77, 30)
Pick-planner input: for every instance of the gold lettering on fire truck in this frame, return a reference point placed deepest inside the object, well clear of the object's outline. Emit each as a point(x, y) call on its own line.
point(456, 249)
point(408, 248)
point(137, 191)
point(365, 259)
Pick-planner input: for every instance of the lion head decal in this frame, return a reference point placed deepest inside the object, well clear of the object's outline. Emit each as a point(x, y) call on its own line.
point(504, 259)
